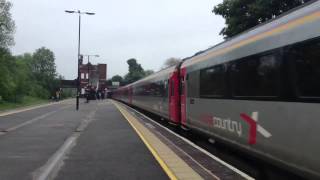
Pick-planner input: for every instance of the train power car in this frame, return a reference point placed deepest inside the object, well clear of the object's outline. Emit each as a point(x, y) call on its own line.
point(157, 93)
point(258, 92)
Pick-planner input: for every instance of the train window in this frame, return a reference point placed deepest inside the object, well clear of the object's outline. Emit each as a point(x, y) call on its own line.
point(256, 76)
point(165, 94)
point(307, 62)
point(213, 81)
point(192, 85)
point(172, 87)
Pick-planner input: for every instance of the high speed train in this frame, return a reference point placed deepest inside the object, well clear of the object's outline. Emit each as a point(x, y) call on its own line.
point(258, 91)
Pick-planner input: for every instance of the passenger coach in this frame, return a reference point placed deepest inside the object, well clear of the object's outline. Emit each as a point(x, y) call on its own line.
point(258, 92)
point(157, 93)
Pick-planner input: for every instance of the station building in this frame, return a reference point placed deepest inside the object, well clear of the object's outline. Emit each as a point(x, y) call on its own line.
point(93, 76)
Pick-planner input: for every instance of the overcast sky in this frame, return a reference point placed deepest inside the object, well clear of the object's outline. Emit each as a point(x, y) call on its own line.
point(150, 31)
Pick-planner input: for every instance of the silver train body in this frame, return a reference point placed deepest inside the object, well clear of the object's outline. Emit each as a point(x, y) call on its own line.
point(259, 91)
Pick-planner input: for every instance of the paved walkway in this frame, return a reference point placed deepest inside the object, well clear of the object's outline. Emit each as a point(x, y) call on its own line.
point(58, 142)
point(103, 140)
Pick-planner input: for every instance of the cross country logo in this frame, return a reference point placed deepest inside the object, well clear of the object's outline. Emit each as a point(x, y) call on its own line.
point(254, 127)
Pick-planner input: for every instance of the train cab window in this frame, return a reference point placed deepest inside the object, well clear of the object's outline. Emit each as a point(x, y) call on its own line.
point(256, 76)
point(307, 62)
point(213, 81)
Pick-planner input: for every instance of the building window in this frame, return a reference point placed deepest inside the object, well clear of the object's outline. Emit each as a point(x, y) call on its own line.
point(213, 81)
point(256, 76)
point(82, 75)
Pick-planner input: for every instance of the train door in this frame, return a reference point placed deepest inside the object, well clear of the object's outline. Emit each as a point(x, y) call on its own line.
point(174, 109)
point(183, 94)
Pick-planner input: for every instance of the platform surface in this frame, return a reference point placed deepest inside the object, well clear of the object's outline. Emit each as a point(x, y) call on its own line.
point(104, 140)
point(110, 149)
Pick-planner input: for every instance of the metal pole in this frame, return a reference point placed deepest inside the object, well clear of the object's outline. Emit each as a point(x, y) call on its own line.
point(88, 70)
point(79, 81)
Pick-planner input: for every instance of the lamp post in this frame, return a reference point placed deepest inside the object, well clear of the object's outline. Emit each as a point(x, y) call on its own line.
point(78, 81)
point(88, 55)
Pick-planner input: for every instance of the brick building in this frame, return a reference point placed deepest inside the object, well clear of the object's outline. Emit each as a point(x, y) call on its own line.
point(93, 76)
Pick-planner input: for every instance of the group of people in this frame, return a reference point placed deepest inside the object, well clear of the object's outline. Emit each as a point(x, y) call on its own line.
point(92, 94)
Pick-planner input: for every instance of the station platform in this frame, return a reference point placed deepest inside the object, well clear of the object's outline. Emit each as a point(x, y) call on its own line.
point(103, 140)
point(109, 149)
point(122, 143)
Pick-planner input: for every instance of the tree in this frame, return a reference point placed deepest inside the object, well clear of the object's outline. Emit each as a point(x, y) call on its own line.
point(7, 81)
point(27, 75)
point(117, 78)
point(241, 15)
point(43, 62)
point(7, 26)
point(44, 69)
point(135, 73)
point(15, 78)
point(171, 62)
point(148, 72)
point(23, 75)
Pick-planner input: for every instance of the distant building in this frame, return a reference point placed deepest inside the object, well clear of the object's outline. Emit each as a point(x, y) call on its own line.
point(93, 76)
point(115, 83)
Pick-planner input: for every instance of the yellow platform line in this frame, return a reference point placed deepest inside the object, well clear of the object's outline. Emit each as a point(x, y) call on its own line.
point(153, 151)
point(172, 165)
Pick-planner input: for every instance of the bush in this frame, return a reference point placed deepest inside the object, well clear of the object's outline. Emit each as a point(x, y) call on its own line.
point(38, 91)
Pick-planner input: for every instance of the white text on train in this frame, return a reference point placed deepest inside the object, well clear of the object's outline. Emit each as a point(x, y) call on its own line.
point(228, 125)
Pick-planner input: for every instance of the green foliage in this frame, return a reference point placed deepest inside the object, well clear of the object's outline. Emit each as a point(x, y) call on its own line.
point(7, 81)
point(43, 68)
point(31, 75)
point(28, 75)
point(135, 73)
point(148, 72)
point(37, 90)
point(25, 101)
point(68, 92)
point(117, 78)
point(7, 26)
point(109, 82)
point(241, 15)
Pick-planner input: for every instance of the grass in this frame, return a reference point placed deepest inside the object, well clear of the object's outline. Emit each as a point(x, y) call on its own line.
point(27, 101)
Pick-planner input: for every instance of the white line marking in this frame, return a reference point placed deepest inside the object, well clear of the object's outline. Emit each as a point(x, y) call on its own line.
point(149, 125)
point(254, 116)
point(264, 132)
point(57, 158)
point(6, 113)
point(34, 120)
point(55, 162)
point(30, 121)
point(199, 148)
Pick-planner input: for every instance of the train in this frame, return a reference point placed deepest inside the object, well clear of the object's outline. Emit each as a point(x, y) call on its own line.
point(258, 91)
